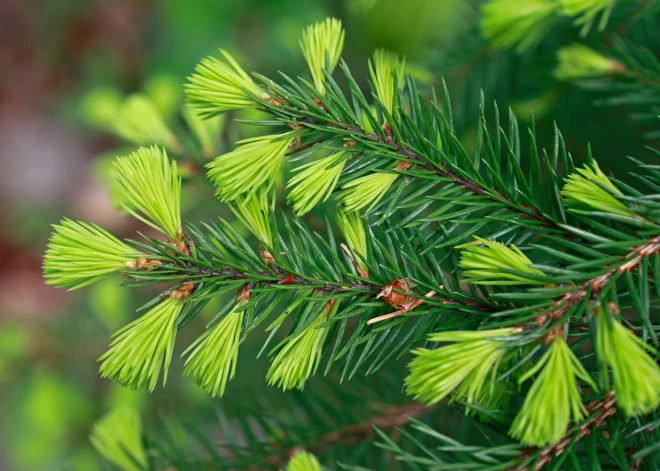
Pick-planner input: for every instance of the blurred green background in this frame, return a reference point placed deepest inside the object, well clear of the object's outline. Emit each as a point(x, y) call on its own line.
point(53, 53)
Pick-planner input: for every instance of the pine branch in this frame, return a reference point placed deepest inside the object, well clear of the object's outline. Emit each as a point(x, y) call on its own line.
point(410, 156)
point(390, 418)
point(595, 286)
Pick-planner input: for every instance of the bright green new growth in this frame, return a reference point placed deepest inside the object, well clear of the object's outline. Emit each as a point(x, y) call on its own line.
point(315, 181)
point(636, 374)
point(553, 398)
point(152, 186)
point(515, 24)
point(253, 164)
point(351, 226)
point(468, 365)
point(303, 461)
point(254, 211)
point(100, 107)
point(578, 61)
point(139, 121)
point(299, 358)
point(590, 190)
point(207, 131)
point(589, 9)
point(140, 349)
point(384, 68)
point(212, 357)
point(485, 262)
point(366, 191)
point(319, 39)
point(219, 86)
point(79, 254)
point(118, 438)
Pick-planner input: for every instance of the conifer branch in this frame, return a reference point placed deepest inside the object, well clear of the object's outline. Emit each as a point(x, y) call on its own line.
point(410, 156)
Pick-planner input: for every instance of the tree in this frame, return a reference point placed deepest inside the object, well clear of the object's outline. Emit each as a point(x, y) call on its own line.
point(517, 285)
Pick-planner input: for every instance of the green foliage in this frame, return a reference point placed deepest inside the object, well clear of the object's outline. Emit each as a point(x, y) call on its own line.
point(212, 357)
point(387, 71)
point(554, 397)
point(413, 193)
point(589, 190)
point(219, 86)
point(315, 182)
point(139, 121)
point(141, 348)
point(468, 366)
point(79, 254)
point(578, 61)
point(635, 372)
point(254, 164)
point(118, 438)
point(485, 262)
point(322, 44)
point(303, 461)
point(152, 188)
point(299, 355)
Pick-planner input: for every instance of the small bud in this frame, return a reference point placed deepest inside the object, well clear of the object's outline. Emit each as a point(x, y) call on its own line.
point(353, 230)
point(254, 210)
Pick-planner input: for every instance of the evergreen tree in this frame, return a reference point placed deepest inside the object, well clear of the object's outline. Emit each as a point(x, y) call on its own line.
point(512, 281)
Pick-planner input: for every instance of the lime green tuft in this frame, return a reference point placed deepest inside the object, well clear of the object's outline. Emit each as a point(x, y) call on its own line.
point(254, 163)
point(303, 461)
point(79, 254)
point(578, 61)
point(635, 373)
point(212, 357)
point(467, 366)
point(315, 181)
point(255, 210)
point(367, 191)
point(300, 356)
point(484, 263)
point(118, 438)
point(218, 86)
point(138, 120)
point(351, 226)
point(141, 348)
point(384, 68)
point(152, 187)
point(587, 10)
point(590, 190)
point(553, 399)
point(512, 24)
point(319, 39)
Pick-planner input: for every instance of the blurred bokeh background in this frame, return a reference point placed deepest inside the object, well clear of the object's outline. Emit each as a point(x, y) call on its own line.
point(55, 55)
